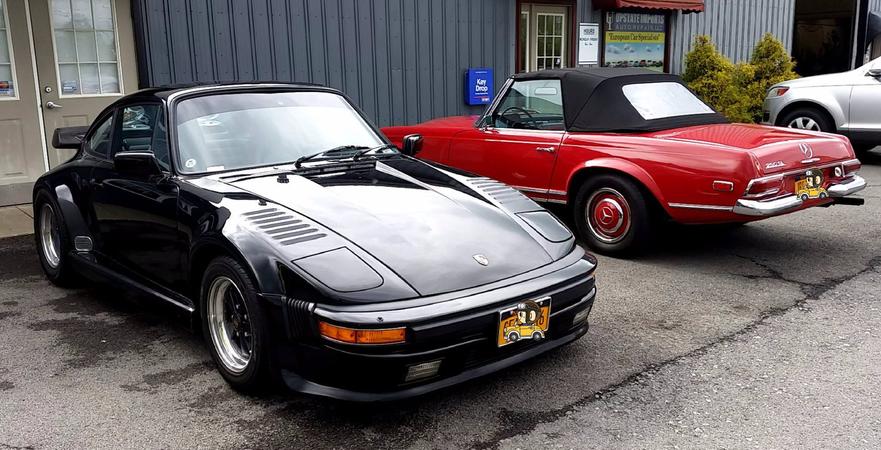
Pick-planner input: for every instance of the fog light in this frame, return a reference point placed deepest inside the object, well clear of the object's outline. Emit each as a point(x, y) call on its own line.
point(422, 370)
point(581, 316)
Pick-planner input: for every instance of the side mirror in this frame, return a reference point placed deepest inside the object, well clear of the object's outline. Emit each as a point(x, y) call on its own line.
point(412, 144)
point(136, 163)
point(876, 73)
point(69, 137)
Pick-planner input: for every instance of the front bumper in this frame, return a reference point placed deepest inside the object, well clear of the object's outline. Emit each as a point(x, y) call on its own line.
point(781, 205)
point(463, 340)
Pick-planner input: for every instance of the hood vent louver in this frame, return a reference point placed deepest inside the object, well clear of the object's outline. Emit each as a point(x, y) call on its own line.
point(499, 192)
point(282, 226)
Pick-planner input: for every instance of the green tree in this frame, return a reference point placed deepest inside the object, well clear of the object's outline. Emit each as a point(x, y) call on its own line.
point(736, 90)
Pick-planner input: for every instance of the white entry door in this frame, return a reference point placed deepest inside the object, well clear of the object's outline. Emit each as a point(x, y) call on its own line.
point(67, 60)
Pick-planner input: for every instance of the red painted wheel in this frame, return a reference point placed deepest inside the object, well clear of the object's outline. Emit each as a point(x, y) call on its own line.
point(608, 215)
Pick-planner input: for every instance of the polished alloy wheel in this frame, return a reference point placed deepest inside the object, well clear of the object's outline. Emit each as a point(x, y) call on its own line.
point(805, 123)
point(229, 325)
point(50, 236)
point(608, 215)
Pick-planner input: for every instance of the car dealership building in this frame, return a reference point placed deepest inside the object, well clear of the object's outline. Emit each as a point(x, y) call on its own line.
point(402, 61)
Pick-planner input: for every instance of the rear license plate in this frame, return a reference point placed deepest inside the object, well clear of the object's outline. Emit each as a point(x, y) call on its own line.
point(810, 185)
point(526, 320)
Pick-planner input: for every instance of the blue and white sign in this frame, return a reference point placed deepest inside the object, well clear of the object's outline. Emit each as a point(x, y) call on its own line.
point(479, 86)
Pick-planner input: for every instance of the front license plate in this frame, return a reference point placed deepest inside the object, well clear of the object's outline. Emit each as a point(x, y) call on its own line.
point(526, 320)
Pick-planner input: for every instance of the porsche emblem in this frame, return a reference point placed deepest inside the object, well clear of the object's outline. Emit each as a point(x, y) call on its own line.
point(482, 260)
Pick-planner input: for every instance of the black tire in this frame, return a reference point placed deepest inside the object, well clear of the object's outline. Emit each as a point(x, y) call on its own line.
point(638, 222)
point(537, 336)
point(256, 375)
point(513, 336)
point(61, 273)
point(805, 115)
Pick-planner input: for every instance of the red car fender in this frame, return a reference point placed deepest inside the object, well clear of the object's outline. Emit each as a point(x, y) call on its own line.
point(624, 166)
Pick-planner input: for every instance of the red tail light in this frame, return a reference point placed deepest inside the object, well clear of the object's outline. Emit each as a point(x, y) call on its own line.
point(763, 187)
point(851, 167)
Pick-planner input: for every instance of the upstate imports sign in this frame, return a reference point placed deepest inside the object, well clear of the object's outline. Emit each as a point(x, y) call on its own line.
point(635, 40)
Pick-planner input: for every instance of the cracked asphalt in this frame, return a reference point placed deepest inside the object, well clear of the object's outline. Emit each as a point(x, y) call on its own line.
point(765, 335)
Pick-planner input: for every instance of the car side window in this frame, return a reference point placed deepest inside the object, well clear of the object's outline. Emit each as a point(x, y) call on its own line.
point(99, 141)
point(532, 105)
point(137, 129)
point(160, 143)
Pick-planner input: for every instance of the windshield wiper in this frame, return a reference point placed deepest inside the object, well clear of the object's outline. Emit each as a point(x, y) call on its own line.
point(361, 153)
point(361, 150)
point(341, 148)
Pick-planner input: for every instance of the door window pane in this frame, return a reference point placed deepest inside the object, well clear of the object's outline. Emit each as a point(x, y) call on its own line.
point(549, 41)
point(7, 77)
point(99, 142)
point(90, 83)
point(85, 47)
point(534, 104)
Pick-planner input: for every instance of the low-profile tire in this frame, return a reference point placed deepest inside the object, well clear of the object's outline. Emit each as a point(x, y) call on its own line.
point(53, 242)
point(235, 326)
point(805, 118)
point(612, 215)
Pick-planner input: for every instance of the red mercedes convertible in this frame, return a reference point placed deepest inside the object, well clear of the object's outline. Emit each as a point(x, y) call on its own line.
point(626, 148)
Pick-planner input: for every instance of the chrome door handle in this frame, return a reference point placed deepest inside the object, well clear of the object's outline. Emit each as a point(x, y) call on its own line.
point(550, 149)
point(52, 105)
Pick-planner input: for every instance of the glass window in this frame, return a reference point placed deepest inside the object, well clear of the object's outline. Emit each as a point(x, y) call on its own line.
point(660, 100)
point(99, 142)
point(549, 41)
point(534, 104)
point(85, 47)
point(136, 128)
point(7, 69)
point(160, 143)
point(232, 131)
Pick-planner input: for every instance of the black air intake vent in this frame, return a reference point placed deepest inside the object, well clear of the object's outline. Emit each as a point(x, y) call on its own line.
point(298, 315)
point(499, 192)
point(282, 226)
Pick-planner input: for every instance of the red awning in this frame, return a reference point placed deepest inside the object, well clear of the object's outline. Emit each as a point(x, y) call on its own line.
point(685, 5)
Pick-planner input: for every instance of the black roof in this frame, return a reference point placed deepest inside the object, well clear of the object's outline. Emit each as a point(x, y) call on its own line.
point(593, 99)
point(167, 90)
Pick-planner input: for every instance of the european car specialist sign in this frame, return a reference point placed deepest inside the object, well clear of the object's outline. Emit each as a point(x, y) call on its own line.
point(634, 40)
point(478, 86)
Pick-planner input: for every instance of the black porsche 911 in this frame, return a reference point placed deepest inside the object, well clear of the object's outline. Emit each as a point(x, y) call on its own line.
point(306, 246)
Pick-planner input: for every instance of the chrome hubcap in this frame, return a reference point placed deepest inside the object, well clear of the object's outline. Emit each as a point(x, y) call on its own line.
point(608, 215)
point(804, 123)
point(50, 239)
point(230, 325)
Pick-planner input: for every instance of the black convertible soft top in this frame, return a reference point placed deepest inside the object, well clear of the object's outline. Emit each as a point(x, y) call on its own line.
point(593, 100)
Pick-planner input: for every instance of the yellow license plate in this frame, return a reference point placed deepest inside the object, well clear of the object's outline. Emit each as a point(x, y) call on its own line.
point(526, 320)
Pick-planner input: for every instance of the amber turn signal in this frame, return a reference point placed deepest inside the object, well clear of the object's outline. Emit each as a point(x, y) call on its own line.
point(355, 336)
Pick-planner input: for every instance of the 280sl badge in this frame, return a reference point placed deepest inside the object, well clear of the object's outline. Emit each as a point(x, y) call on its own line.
point(774, 165)
point(526, 320)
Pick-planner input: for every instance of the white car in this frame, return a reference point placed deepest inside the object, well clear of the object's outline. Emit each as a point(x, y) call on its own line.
point(848, 103)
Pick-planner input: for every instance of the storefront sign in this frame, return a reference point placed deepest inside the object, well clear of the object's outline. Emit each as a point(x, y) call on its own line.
point(588, 43)
point(479, 86)
point(635, 40)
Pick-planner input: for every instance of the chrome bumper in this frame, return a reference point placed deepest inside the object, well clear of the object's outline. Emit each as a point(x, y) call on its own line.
point(758, 208)
point(841, 190)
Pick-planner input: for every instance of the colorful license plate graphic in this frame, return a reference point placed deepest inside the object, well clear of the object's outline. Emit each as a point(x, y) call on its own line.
point(526, 320)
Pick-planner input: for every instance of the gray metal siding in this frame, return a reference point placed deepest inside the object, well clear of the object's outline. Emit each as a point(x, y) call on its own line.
point(401, 61)
point(735, 26)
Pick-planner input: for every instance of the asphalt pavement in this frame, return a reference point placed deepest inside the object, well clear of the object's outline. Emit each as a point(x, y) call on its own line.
point(763, 335)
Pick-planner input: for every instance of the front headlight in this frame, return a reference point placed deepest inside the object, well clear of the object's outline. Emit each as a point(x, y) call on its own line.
point(777, 91)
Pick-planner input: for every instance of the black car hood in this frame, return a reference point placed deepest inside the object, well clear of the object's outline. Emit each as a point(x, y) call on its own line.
point(427, 227)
